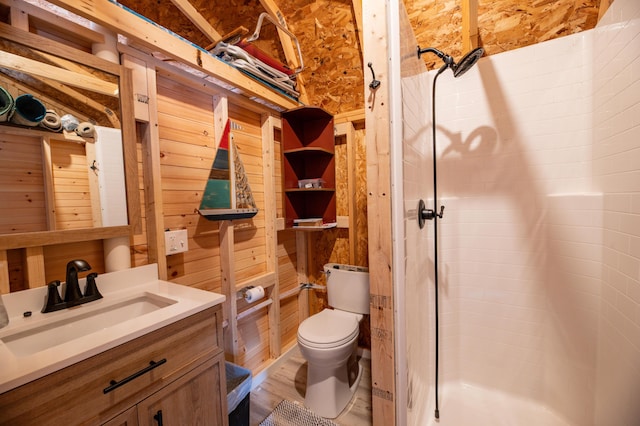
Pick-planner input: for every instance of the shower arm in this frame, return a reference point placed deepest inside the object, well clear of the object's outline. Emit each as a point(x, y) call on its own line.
point(448, 60)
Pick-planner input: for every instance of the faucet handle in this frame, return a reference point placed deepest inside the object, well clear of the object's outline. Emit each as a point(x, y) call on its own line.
point(54, 301)
point(91, 291)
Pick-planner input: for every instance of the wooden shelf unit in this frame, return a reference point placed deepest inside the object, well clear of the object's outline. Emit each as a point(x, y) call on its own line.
point(308, 153)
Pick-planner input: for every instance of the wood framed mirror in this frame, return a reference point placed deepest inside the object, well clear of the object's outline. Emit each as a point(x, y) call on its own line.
point(53, 190)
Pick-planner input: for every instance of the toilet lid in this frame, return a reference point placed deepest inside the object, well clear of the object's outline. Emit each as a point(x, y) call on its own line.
point(329, 328)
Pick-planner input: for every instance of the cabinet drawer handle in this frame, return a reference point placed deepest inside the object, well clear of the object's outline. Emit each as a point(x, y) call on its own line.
point(158, 417)
point(113, 384)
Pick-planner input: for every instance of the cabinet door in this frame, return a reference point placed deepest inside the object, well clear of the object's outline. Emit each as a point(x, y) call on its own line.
point(194, 399)
point(128, 418)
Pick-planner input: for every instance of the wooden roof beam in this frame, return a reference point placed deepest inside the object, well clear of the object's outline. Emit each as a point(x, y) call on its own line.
point(197, 19)
point(157, 39)
point(469, 25)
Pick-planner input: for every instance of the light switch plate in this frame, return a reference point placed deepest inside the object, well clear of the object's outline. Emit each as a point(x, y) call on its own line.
point(176, 241)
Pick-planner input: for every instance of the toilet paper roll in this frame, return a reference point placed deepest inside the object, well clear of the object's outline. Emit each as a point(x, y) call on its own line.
point(254, 294)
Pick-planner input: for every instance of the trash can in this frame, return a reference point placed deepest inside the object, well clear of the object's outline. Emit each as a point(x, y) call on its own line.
point(238, 394)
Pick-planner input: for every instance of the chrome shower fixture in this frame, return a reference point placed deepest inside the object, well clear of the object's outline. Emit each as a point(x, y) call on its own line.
point(467, 61)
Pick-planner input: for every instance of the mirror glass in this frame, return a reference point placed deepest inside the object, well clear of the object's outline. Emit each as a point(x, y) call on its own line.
point(52, 176)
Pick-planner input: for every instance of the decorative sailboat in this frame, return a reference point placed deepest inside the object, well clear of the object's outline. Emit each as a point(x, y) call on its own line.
point(227, 195)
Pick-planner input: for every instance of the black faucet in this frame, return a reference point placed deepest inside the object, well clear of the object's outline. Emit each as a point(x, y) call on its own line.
point(72, 294)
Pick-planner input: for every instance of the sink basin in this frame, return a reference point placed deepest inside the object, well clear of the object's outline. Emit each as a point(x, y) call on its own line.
point(86, 319)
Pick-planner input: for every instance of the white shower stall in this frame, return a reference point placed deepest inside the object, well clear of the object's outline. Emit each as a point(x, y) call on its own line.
point(538, 157)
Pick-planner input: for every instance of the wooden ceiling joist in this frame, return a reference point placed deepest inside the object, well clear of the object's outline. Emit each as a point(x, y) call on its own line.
point(197, 19)
point(157, 39)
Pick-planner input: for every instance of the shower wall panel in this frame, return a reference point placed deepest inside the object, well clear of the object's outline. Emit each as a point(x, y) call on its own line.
point(413, 277)
point(616, 170)
point(520, 240)
point(539, 170)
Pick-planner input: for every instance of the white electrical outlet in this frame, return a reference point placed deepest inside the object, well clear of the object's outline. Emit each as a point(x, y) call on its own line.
point(176, 241)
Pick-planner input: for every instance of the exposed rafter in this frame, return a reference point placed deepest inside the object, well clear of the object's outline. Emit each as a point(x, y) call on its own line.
point(197, 19)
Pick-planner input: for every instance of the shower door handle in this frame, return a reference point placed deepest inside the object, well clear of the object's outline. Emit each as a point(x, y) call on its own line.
point(425, 214)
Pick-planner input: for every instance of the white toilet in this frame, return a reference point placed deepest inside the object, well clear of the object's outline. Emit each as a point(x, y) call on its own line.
point(328, 340)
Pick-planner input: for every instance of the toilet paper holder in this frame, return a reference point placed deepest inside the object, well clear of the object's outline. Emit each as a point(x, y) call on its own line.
point(251, 293)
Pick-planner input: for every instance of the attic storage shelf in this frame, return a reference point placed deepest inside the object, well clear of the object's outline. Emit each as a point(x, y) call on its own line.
point(308, 154)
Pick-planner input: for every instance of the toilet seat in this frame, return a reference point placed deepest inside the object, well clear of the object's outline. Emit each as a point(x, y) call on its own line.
point(329, 329)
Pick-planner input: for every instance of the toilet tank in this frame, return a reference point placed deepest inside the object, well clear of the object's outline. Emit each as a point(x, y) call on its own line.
point(348, 287)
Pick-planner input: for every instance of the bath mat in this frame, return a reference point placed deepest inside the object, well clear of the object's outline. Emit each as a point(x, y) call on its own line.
point(289, 413)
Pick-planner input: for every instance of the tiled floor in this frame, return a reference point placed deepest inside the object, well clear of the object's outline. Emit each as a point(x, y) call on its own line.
point(288, 381)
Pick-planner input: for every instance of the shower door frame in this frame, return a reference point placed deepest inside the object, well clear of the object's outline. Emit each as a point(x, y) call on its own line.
point(385, 204)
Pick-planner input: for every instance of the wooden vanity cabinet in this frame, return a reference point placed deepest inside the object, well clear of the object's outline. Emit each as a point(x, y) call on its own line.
point(177, 370)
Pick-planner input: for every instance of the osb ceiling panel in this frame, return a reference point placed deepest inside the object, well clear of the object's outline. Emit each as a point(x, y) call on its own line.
point(326, 30)
point(502, 24)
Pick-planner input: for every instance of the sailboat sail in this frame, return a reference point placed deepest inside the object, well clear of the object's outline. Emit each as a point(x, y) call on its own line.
point(227, 194)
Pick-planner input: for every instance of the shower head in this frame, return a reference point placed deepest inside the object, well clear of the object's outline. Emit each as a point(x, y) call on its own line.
point(467, 61)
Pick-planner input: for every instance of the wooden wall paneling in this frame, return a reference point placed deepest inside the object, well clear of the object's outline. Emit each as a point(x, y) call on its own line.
point(379, 215)
point(22, 185)
point(73, 198)
point(288, 281)
point(148, 135)
point(269, 178)
point(57, 256)
point(187, 145)
point(254, 341)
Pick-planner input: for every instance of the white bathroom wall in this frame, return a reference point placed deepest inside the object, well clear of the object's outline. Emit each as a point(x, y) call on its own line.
point(616, 170)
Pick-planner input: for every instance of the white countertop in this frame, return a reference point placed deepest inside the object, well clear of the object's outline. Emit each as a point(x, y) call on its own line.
point(16, 369)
